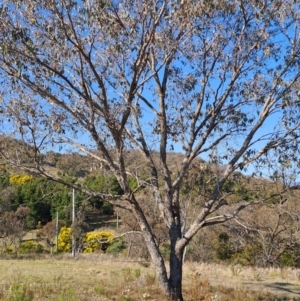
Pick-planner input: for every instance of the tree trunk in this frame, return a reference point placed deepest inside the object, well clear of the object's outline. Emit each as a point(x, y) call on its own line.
point(171, 286)
point(175, 279)
point(176, 263)
point(153, 249)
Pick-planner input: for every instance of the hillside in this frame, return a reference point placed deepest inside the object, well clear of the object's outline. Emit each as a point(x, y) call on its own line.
point(264, 235)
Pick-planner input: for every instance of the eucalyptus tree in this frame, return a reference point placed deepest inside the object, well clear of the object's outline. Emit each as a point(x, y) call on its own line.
point(215, 79)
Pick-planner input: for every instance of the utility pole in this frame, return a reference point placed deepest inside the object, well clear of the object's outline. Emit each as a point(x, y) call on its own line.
point(117, 221)
point(73, 224)
point(56, 232)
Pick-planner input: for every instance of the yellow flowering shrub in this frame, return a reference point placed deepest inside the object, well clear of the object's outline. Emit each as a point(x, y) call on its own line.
point(94, 241)
point(19, 179)
point(64, 239)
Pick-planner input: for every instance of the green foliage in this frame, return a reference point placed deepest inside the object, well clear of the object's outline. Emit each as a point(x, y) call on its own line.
point(116, 246)
point(103, 184)
point(286, 259)
point(30, 247)
point(4, 180)
point(229, 186)
point(69, 178)
point(242, 191)
point(133, 184)
point(247, 256)
point(35, 195)
point(223, 248)
point(43, 197)
point(20, 293)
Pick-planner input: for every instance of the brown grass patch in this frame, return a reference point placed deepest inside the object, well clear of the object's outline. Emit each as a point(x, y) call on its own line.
point(95, 277)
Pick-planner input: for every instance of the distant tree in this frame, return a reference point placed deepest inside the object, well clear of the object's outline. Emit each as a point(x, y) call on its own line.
point(7, 196)
point(105, 184)
point(12, 227)
point(36, 195)
point(216, 79)
point(43, 197)
point(48, 233)
point(275, 225)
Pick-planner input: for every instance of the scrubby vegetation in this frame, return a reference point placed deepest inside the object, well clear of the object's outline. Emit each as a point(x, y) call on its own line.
point(265, 235)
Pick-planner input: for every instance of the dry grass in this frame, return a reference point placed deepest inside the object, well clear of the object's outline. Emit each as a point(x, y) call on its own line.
point(243, 283)
point(91, 277)
point(99, 277)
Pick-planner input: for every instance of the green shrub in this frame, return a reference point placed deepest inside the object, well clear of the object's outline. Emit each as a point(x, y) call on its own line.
point(104, 184)
point(247, 256)
point(286, 259)
point(223, 249)
point(30, 247)
point(133, 183)
point(116, 247)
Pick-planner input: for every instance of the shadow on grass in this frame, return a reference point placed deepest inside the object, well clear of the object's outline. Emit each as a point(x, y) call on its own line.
point(286, 287)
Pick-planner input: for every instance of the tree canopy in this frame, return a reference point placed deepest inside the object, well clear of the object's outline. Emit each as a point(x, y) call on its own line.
point(216, 79)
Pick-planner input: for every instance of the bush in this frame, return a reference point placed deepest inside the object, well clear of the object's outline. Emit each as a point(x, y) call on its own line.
point(286, 259)
point(30, 247)
point(248, 256)
point(19, 179)
point(65, 239)
point(94, 241)
point(116, 247)
point(223, 247)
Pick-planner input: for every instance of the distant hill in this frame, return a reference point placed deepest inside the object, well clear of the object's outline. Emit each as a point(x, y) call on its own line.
point(80, 166)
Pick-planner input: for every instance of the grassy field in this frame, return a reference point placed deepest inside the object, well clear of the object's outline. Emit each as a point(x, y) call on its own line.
point(99, 277)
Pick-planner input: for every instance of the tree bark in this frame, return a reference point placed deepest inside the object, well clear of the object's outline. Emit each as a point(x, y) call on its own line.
point(176, 263)
point(152, 246)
